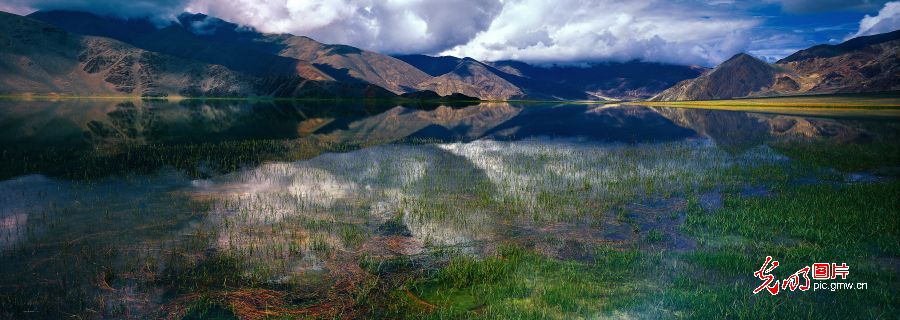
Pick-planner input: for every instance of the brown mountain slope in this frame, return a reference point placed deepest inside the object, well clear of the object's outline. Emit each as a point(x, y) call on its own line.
point(863, 64)
point(227, 47)
point(472, 78)
point(213, 41)
point(39, 58)
point(739, 76)
point(349, 63)
point(177, 41)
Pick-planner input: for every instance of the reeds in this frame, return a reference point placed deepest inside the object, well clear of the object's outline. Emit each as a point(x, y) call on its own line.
point(303, 218)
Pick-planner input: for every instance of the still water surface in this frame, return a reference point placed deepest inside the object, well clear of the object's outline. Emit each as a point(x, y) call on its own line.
point(108, 205)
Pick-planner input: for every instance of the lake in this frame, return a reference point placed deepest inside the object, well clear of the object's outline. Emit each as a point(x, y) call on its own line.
point(281, 209)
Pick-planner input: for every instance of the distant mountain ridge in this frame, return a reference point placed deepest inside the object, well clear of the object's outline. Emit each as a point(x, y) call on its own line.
point(36, 57)
point(241, 49)
point(595, 81)
point(200, 55)
point(737, 76)
point(863, 64)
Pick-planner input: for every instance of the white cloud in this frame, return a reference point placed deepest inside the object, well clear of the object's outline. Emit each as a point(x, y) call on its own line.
point(772, 45)
point(569, 30)
point(887, 20)
point(16, 8)
point(702, 32)
point(392, 26)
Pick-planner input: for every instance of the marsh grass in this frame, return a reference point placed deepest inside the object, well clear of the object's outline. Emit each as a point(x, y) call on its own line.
point(853, 223)
point(286, 229)
point(91, 247)
point(848, 157)
point(517, 283)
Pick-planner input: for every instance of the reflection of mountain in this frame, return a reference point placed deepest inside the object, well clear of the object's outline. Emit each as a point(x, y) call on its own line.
point(443, 123)
point(738, 131)
point(99, 123)
point(510, 122)
point(733, 131)
point(607, 123)
point(93, 122)
point(104, 132)
point(33, 123)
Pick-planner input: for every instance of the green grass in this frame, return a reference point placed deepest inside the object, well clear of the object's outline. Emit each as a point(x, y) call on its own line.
point(519, 284)
point(856, 224)
point(846, 157)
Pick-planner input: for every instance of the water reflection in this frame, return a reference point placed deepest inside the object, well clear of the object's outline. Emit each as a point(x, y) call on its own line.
point(303, 190)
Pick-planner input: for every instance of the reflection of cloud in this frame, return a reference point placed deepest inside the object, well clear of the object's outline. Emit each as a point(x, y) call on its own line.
point(404, 199)
point(12, 228)
point(488, 156)
point(441, 233)
point(18, 197)
point(539, 173)
point(319, 197)
point(274, 191)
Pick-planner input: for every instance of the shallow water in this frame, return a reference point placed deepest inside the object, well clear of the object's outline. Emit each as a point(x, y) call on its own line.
point(106, 204)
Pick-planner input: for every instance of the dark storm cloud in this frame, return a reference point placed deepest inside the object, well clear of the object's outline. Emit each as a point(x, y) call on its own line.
point(160, 9)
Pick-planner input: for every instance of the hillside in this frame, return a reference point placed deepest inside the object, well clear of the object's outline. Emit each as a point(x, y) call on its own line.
point(610, 80)
point(863, 64)
point(212, 40)
point(198, 54)
point(39, 58)
point(234, 51)
point(473, 78)
point(736, 77)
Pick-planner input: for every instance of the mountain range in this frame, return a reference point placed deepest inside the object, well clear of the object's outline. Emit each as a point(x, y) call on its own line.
point(863, 64)
point(79, 53)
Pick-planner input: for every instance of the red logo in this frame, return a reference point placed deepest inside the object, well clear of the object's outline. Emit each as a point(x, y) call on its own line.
point(763, 274)
point(820, 271)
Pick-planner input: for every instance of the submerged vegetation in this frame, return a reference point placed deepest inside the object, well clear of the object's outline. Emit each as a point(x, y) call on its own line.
point(555, 228)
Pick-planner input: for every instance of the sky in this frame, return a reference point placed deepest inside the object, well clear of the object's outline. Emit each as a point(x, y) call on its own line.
point(695, 32)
